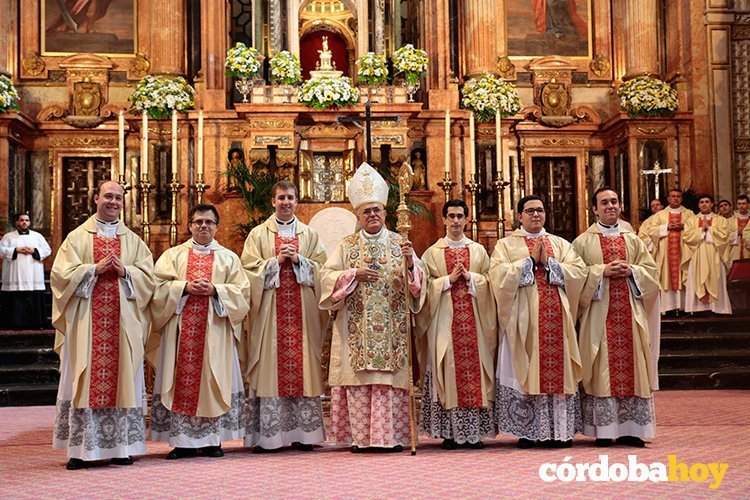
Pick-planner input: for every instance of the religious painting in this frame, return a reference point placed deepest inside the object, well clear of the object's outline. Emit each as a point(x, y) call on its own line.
point(539, 28)
point(91, 26)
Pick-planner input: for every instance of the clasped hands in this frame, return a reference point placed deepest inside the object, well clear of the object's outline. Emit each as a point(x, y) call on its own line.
point(25, 250)
point(459, 271)
point(617, 269)
point(110, 263)
point(200, 287)
point(675, 226)
point(539, 253)
point(287, 251)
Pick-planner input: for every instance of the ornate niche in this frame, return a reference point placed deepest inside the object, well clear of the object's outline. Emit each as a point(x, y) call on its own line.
point(326, 162)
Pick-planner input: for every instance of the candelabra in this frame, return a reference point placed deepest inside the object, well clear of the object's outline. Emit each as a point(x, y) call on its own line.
point(174, 187)
point(125, 188)
point(200, 187)
point(145, 187)
point(500, 184)
point(447, 185)
point(473, 187)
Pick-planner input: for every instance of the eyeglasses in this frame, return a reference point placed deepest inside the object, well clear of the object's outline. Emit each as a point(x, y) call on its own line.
point(202, 222)
point(532, 211)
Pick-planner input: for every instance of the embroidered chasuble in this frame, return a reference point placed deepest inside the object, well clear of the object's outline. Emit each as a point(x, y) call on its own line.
point(674, 253)
point(464, 335)
point(289, 326)
point(192, 337)
point(741, 224)
point(105, 329)
point(551, 349)
point(619, 322)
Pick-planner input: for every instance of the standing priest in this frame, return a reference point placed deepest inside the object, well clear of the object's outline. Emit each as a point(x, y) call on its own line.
point(372, 281)
point(536, 279)
point(282, 258)
point(198, 309)
point(23, 251)
point(101, 286)
point(459, 323)
point(618, 349)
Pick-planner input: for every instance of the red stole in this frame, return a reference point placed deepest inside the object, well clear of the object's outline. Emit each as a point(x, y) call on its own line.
point(464, 334)
point(741, 223)
point(105, 329)
point(192, 338)
point(674, 253)
point(289, 359)
point(551, 344)
point(619, 323)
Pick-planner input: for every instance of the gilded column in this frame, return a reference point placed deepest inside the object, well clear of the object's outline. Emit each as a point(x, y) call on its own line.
point(641, 49)
point(274, 27)
point(167, 52)
point(480, 34)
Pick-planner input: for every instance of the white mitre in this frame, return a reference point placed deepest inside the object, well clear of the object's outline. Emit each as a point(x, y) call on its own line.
point(367, 186)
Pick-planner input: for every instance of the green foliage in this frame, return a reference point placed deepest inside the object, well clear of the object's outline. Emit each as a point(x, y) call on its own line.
point(255, 188)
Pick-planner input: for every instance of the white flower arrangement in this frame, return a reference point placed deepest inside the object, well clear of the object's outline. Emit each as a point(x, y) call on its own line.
point(371, 69)
point(488, 93)
point(159, 95)
point(327, 92)
point(242, 61)
point(8, 94)
point(286, 68)
point(410, 61)
point(647, 96)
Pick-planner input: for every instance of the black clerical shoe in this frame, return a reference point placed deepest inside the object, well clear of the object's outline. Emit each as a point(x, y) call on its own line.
point(603, 443)
point(260, 449)
point(562, 444)
point(395, 449)
point(212, 451)
point(75, 464)
point(182, 453)
point(525, 444)
point(473, 446)
point(357, 449)
point(122, 461)
point(631, 441)
point(302, 446)
point(449, 444)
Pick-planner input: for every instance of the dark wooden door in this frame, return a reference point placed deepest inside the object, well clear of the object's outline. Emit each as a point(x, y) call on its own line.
point(555, 182)
point(81, 177)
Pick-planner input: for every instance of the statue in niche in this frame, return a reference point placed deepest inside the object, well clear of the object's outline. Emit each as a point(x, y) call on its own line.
point(236, 163)
point(420, 172)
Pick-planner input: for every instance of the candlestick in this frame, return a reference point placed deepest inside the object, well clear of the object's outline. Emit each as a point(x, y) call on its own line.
point(200, 143)
point(447, 143)
point(174, 187)
point(121, 142)
point(447, 185)
point(473, 188)
point(498, 144)
point(174, 143)
point(144, 144)
point(145, 188)
point(472, 150)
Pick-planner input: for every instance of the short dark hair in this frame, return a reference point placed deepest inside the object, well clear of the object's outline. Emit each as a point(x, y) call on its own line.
point(455, 203)
point(706, 195)
point(724, 200)
point(743, 197)
point(601, 190)
point(675, 190)
point(20, 214)
point(526, 199)
point(203, 207)
point(284, 185)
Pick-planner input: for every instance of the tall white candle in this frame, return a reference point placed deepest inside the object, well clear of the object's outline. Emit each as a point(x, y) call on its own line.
point(144, 144)
point(121, 142)
point(174, 144)
point(447, 142)
point(499, 146)
point(200, 143)
point(472, 152)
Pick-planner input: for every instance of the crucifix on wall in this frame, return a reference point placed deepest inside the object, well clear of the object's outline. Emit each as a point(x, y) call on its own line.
point(357, 121)
point(656, 171)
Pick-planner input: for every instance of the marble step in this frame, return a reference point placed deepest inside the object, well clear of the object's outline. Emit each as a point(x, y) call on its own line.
point(28, 394)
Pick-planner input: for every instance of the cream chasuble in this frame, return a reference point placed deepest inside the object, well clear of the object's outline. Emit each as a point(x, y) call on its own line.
point(739, 238)
point(707, 269)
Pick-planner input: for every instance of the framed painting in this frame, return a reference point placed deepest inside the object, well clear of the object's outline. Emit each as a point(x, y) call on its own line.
point(538, 28)
point(106, 27)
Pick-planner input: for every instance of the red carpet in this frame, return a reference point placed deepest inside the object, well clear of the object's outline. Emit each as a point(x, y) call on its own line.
point(696, 426)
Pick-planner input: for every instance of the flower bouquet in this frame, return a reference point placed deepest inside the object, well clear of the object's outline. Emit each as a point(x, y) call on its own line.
point(8, 94)
point(412, 63)
point(160, 95)
point(328, 92)
point(647, 96)
point(243, 63)
point(285, 68)
point(371, 69)
point(488, 93)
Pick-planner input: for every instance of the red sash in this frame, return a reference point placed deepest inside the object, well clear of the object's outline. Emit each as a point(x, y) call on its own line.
point(289, 358)
point(674, 253)
point(192, 339)
point(619, 323)
point(464, 334)
point(105, 329)
point(741, 223)
point(551, 345)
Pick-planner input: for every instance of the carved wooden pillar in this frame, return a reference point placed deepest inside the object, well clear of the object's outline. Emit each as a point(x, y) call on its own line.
point(641, 48)
point(213, 54)
point(167, 30)
point(274, 27)
point(435, 34)
point(480, 24)
point(379, 26)
point(8, 36)
point(292, 13)
point(363, 44)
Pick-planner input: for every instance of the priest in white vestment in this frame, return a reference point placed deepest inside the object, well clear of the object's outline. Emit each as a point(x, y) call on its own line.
point(457, 332)
point(200, 302)
point(739, 231)
point(370, 281)
point(619, 349)
point(282, 258)
point(102, 282)
point(22, 252)
point(536, 279)
point(706, 284)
